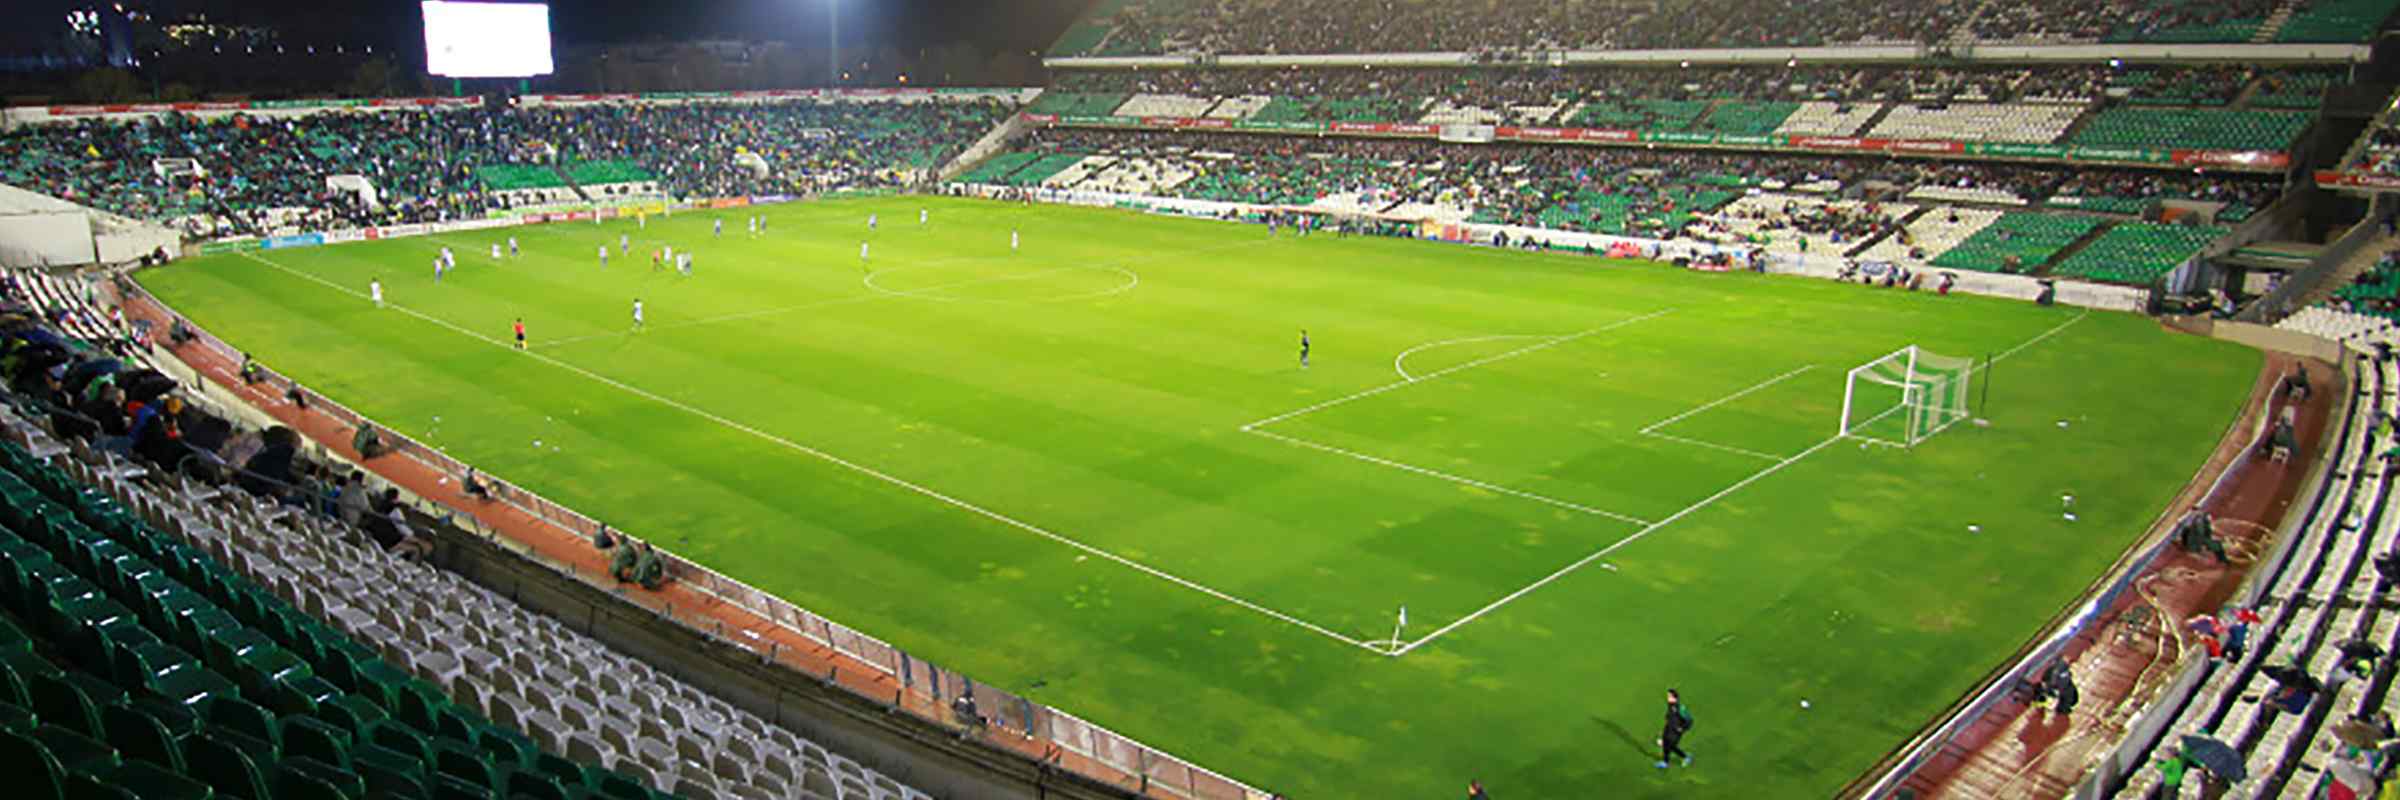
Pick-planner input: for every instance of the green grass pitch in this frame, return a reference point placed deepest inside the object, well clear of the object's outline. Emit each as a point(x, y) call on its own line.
point(1474, 423)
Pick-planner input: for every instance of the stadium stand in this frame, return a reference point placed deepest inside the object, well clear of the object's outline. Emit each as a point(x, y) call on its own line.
point(2192, 128)
point(2016, 242)
point(1155, 27)
point(1942, 214)
point(1978, 122)
point(2137, 252)
point(1931, 233)
point(323, 661)
point(2324, 595)
point(259, 174)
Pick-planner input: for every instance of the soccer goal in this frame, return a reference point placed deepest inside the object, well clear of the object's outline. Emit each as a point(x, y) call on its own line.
point(1906, 397)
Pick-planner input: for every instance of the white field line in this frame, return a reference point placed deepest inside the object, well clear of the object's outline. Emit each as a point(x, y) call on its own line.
point(847, 464)
point(1739, 451)
point(1258, 427)
point(2004, 354)
point(1619, 544)
point(1671, 518)
point(1463, 481)
point(1400, 362)
point(1727, 399)
point(1544, 345)
point(1652, 429)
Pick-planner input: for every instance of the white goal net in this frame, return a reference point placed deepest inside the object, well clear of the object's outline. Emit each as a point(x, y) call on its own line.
point(1906, 397)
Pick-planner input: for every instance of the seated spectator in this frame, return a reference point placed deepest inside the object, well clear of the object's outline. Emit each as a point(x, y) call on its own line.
point(2197, 534)
point(269, 473)
point(368, 441)
point(475, 488)
point(160, 441)
point(354, 503)
point(638, 565)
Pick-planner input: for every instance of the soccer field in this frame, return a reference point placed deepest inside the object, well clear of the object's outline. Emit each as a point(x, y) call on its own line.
point(1093, 471)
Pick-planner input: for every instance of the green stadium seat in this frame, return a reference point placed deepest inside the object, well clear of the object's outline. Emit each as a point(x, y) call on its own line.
point(464, 763)
point(452, 722)
point(353, 712)
point(79, 753)
point(382, 766)
point(181, 720)
point(139, 738)
point(398, 737)
point(31, 768)
point(609, 783)
point(243, 723)
point(343, 781)
point(150, 781)
point(567, 772)
point(300, 782)
point(92, 787)
point(17, 719)
point(314, 738)
point(506, 747)
point(526, 785)
point(385, 684)
point(228, 766)
point(296, 693)
point(446, 787)
point(62, 702)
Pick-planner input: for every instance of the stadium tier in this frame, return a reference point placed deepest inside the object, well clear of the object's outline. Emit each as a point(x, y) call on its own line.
point(1791, 204)
point(1288, 27)
point(2160, 108)
point(240, 173)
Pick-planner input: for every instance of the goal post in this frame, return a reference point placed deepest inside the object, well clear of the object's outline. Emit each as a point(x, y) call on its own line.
point(1906, 397)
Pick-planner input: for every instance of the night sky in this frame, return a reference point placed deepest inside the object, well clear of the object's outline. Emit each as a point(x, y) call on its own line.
point(993, 24)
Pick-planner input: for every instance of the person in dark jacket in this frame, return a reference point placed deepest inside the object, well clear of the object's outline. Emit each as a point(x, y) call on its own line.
point(2061, 688)
point(1670, 739)
point(1475, 791)
point(270, 471)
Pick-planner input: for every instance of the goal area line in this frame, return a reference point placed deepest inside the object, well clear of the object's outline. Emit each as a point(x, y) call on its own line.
point(1596, 555)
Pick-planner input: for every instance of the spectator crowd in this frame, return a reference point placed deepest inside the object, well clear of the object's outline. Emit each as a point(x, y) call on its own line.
point(1516, 27)
point(245, 173)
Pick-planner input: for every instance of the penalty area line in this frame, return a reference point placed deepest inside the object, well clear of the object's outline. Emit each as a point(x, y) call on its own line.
point(1620, 544)
point(847, 464)
point(1462, 481)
